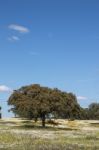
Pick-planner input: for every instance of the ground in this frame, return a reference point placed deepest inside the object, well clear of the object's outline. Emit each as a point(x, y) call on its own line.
point(18, 134)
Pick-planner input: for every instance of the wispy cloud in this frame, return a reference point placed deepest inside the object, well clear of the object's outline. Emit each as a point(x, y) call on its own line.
point(13, 38)
point(19, 28)
point(81, 98)
point(4, 88)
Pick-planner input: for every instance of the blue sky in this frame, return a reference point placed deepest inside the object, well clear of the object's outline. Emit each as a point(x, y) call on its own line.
point(51, 42)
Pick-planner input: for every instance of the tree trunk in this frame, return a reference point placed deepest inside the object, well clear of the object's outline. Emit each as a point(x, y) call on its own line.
point(43, 120)
point(35, 119)
point(0, 116)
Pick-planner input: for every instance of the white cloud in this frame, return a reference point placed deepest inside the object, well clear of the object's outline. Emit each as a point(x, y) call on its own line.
point(4, 88)
point(81, 98)
point(13, 38)
point(18, 28)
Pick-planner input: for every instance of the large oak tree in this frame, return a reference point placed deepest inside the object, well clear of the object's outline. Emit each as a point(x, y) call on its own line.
point(35, 101)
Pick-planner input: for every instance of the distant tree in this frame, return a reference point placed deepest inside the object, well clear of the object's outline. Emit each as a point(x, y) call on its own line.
point(0, 113)
point(93, 111)
point(35, 102)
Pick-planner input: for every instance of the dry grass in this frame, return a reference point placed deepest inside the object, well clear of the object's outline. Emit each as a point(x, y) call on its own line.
point(18, 134)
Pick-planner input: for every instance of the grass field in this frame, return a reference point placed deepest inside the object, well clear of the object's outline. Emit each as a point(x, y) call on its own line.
point(17, 134)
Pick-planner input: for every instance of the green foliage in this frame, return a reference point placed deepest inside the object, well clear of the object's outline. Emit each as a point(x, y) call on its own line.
point(35, 102)
point(0, 112)
point(94, 111)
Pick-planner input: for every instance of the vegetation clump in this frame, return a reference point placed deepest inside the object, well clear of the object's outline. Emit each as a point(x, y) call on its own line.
point(36, 102)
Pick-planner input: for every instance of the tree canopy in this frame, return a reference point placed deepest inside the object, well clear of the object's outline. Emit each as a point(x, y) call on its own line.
point(35, 101)
point(93, 111)
point(0, 112)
